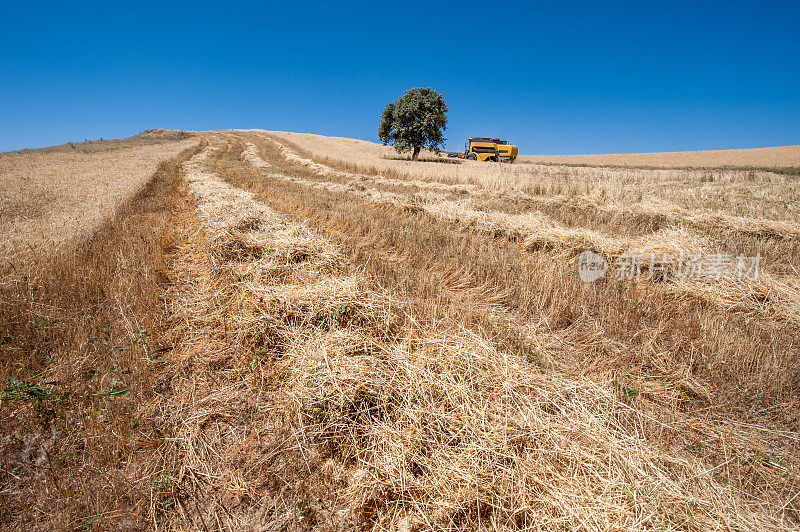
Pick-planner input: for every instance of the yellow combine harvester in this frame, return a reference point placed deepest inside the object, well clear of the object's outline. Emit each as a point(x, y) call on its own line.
point(487, 149)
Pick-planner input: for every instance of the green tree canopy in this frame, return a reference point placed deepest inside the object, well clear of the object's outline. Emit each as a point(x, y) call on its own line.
point(414, 121)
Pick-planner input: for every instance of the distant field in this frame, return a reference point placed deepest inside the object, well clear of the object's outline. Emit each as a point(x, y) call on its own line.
point(145, 138)
point(51, 195)
point(728, 188)
point(262, 330)
point(777, 157)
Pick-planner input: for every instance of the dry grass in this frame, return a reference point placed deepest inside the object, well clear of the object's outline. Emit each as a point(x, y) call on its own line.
point(418, 424)
point(759, 298)
point(342, 339)
point(778, 297)
point(50, 200)
point(78, 324)
point(145, 138)
point(777, 157)
point(744, 192)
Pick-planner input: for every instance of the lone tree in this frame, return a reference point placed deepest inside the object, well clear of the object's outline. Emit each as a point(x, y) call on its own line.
point(414, 121)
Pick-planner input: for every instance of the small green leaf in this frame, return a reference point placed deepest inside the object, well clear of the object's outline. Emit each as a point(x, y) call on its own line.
point(122, 390)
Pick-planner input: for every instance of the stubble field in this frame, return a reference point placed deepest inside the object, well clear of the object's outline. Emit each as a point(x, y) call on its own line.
point(784, 158)
point(306, 332)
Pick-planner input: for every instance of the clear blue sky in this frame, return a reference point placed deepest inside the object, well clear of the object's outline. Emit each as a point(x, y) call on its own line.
point(554, 77)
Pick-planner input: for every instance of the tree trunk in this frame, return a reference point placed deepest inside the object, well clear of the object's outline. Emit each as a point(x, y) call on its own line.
point(414, 155)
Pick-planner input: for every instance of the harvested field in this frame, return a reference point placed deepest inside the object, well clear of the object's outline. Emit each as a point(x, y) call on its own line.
point(752, 192)
point(81, 261)
point(778, 157)
point(337, 339)
point(50, 198)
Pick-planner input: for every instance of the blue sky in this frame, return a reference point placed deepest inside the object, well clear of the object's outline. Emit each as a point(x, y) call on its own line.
point(553, 77)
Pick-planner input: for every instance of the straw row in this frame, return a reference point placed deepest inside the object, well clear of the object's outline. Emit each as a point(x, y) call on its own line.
point(437, 428)
point(768, 296)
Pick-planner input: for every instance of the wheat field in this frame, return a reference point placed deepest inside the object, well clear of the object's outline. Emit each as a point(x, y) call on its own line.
point(777, 157)
point(281, 331)
point(49, 198)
